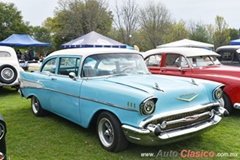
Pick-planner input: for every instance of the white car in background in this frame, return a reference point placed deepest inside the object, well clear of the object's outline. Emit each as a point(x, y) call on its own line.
point(9, 67)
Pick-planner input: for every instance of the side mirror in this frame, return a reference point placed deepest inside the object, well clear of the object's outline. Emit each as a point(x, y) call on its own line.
point(72, 76)
point(181, 69)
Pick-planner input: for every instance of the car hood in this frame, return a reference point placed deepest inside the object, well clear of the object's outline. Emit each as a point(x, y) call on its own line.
point(173, 93)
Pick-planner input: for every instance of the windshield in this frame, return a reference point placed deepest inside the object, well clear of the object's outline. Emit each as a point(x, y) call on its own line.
point(113, 64)
point(202, 61)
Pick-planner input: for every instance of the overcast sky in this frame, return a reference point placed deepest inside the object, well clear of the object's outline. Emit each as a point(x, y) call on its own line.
point(204, 11)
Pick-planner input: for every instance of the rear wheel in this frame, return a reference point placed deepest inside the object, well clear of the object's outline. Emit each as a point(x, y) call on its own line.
point(110, 133)
point(37, 108)
point(8, 74)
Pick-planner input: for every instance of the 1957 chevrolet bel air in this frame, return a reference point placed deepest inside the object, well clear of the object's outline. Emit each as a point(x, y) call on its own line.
point(114, 89)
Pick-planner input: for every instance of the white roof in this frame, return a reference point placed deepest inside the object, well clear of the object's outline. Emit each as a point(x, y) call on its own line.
point(7, 48)
point(187, 43)
point(185, 51)
point(89, 51)
point(228, 47)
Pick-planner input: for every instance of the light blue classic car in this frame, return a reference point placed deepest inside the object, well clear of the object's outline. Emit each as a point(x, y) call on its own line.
point(113, 89)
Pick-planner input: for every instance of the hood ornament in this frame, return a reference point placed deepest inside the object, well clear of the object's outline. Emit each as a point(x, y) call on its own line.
point(188, 97)
point(157, 88)
point(193, 82)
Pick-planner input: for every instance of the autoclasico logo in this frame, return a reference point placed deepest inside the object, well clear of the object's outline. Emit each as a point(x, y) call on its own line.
point(197, 154)
point(186, 154)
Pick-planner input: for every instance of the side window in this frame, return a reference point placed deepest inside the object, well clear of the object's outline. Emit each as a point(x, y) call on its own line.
point(68, 64)
point(88, 67)
point(4, 54)
point(175, 60)
point(50, 66)
point(181, 62)
point(153, 61)
point(171, 59)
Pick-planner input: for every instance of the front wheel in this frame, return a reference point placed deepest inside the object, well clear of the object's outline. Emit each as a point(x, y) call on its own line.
point(37, 108)
point(110, 133)
point(226, 103)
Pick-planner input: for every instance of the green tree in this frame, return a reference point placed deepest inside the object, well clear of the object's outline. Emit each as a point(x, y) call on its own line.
point(222, 33)
point(154, 20)
point(126, 21)
point(42, 34)
point(198, 32)
point(176, 31)
point(210, 32)
point(11, 21)
point(74, 18)
point(234, 33)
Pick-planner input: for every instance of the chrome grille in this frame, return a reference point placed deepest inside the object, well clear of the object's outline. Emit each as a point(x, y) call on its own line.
point(181, 120)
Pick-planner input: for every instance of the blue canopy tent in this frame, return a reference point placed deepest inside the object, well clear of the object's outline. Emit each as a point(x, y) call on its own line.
point(235, 42)
point(22, 40)
point(93, 39)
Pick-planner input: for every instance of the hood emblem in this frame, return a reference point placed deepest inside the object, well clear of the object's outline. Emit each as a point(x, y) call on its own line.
point(191, 118)
point(187, 97)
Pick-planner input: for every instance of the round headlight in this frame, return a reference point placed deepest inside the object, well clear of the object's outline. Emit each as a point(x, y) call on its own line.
point(148, 107)
point(218, 93)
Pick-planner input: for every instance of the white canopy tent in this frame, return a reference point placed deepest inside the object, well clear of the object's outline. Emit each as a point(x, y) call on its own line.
point(187, 43)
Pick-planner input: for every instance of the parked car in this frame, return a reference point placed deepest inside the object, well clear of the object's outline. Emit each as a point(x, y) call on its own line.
point(113, 89)
point(3, 131)
point(24, 64)
point(197, 63)
point(9, 67)
point(34, 66)
point(229, 55)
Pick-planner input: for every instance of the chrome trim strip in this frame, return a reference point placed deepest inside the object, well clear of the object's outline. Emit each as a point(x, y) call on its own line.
point(172, 113)
point(31, 84)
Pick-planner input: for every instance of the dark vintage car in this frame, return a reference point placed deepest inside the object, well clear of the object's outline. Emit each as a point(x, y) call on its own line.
point(229, 55)
point(3, 131)
point(197, 63)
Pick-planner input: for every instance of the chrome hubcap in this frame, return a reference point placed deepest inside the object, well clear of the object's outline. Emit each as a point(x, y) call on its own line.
point(105, 132)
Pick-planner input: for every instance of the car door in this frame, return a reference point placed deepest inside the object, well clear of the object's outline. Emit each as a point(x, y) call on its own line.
point(176, 65)
point(153, 63)
point(64, 98)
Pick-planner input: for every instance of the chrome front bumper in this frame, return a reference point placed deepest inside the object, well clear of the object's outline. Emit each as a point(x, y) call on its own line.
point(151, 135)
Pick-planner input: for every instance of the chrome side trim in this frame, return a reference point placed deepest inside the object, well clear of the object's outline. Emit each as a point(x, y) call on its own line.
point(38, 85)
point(30, 84)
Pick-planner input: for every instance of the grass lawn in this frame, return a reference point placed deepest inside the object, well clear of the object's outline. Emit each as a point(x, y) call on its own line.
point(54, 138)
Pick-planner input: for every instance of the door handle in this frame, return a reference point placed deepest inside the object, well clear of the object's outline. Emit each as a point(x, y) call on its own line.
point(53, 79)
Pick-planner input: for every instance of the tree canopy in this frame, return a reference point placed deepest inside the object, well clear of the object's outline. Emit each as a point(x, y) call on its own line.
point(11, 21)
point(145, 26)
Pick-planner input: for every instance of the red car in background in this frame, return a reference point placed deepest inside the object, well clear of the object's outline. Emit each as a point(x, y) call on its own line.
point(197, 63)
